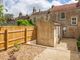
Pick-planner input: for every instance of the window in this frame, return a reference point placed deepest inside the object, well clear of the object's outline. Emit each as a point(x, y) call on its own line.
point(74, 21)
point(62, 16)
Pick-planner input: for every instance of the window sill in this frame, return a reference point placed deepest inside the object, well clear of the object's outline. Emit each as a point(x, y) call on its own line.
point(73, 24)
point(62, 19)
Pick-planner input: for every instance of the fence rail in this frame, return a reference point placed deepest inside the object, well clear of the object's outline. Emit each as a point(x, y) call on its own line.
point(8, 38)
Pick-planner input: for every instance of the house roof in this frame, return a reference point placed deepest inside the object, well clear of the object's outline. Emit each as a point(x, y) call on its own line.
point(23, 17)
point(66, 7)
point(41, 12)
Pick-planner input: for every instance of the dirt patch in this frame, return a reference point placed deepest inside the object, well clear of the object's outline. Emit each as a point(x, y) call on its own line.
point(26, 52)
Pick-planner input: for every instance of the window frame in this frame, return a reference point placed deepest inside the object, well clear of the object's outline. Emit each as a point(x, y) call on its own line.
point(76, 20)
point(61, 15)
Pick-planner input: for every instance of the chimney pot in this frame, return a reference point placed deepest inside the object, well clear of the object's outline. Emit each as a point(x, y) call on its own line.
point(34, 10)
point(52, 6)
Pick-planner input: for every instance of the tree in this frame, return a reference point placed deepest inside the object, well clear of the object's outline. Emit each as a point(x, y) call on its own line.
point(2, 19)
point(1, 10)
point(8, 16)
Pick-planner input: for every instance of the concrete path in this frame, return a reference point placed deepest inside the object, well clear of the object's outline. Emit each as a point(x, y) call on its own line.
point(53, 54)
point(66, 50)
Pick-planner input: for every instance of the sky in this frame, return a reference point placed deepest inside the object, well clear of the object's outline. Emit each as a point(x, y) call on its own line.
point(26, 6)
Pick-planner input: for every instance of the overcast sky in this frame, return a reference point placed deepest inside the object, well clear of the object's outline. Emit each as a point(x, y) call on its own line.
point(26, 6)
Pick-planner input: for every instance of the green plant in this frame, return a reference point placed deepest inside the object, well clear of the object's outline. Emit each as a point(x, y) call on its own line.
point(1, 10)
point(31, 22)
point(78, 38)
point(16, 46)
point(2, 17)
point(78, 43)
point(78, 46)
point(12, 52)
point(24, 22)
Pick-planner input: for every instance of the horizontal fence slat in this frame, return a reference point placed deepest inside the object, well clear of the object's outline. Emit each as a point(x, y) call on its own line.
point(16, 31)
point(16, 39)
point(1, 32)
point(1, 42)
point(29, 30)
point(29, 35)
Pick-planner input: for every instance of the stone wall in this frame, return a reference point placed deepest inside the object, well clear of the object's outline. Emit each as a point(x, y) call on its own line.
point(71, 30)
point(45, 33)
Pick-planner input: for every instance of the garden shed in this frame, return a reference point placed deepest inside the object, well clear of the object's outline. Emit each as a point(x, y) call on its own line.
point(48, 33)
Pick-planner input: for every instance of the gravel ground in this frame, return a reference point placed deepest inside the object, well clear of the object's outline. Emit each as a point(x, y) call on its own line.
point(26, 52)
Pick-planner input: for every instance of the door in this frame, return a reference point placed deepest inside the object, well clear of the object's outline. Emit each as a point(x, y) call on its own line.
point(57, 34)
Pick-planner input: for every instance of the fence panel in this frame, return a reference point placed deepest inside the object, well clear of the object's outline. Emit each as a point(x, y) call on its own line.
point(2, 42)
point(11, 35)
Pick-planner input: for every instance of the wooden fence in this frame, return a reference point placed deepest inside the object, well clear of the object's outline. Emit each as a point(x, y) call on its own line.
point(9, 37)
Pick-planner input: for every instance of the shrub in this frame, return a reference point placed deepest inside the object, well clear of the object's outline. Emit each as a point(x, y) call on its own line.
point(30, 22)
point(78, 38)
point(78, 43)
point(24, 22)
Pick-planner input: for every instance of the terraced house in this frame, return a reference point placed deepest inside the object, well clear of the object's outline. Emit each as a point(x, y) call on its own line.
point(67, 15)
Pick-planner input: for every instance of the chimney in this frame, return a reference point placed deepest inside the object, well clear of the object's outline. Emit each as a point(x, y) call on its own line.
point(34, 10)
point(39, 10)
point(20, 14)
point(52, 6)
point(51, 9)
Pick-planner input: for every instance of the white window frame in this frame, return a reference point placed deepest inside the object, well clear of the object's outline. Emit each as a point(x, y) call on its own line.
point(60, 16)
point(76, 20)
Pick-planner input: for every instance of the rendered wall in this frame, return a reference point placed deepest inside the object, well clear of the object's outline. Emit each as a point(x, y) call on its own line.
point(45, 33)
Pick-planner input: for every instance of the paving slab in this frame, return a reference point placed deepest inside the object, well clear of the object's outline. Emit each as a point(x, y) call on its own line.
point(66, 50)
point(53, 54)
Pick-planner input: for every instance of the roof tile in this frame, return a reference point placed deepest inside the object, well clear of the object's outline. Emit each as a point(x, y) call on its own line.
point(67, 7)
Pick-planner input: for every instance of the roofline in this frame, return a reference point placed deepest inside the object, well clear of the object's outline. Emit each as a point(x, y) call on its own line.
point(65, 4)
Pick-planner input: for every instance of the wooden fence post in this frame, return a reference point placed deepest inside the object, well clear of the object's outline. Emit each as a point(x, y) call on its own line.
point(6, 39)
point(25, 35)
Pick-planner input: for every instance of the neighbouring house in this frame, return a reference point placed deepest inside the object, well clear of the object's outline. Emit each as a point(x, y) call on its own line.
point(22, 17)
point(67, 15)
point(38, 15)
point(11, 21)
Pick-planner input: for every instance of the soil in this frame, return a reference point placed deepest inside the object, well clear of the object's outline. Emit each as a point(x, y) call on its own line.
point(26, 52)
